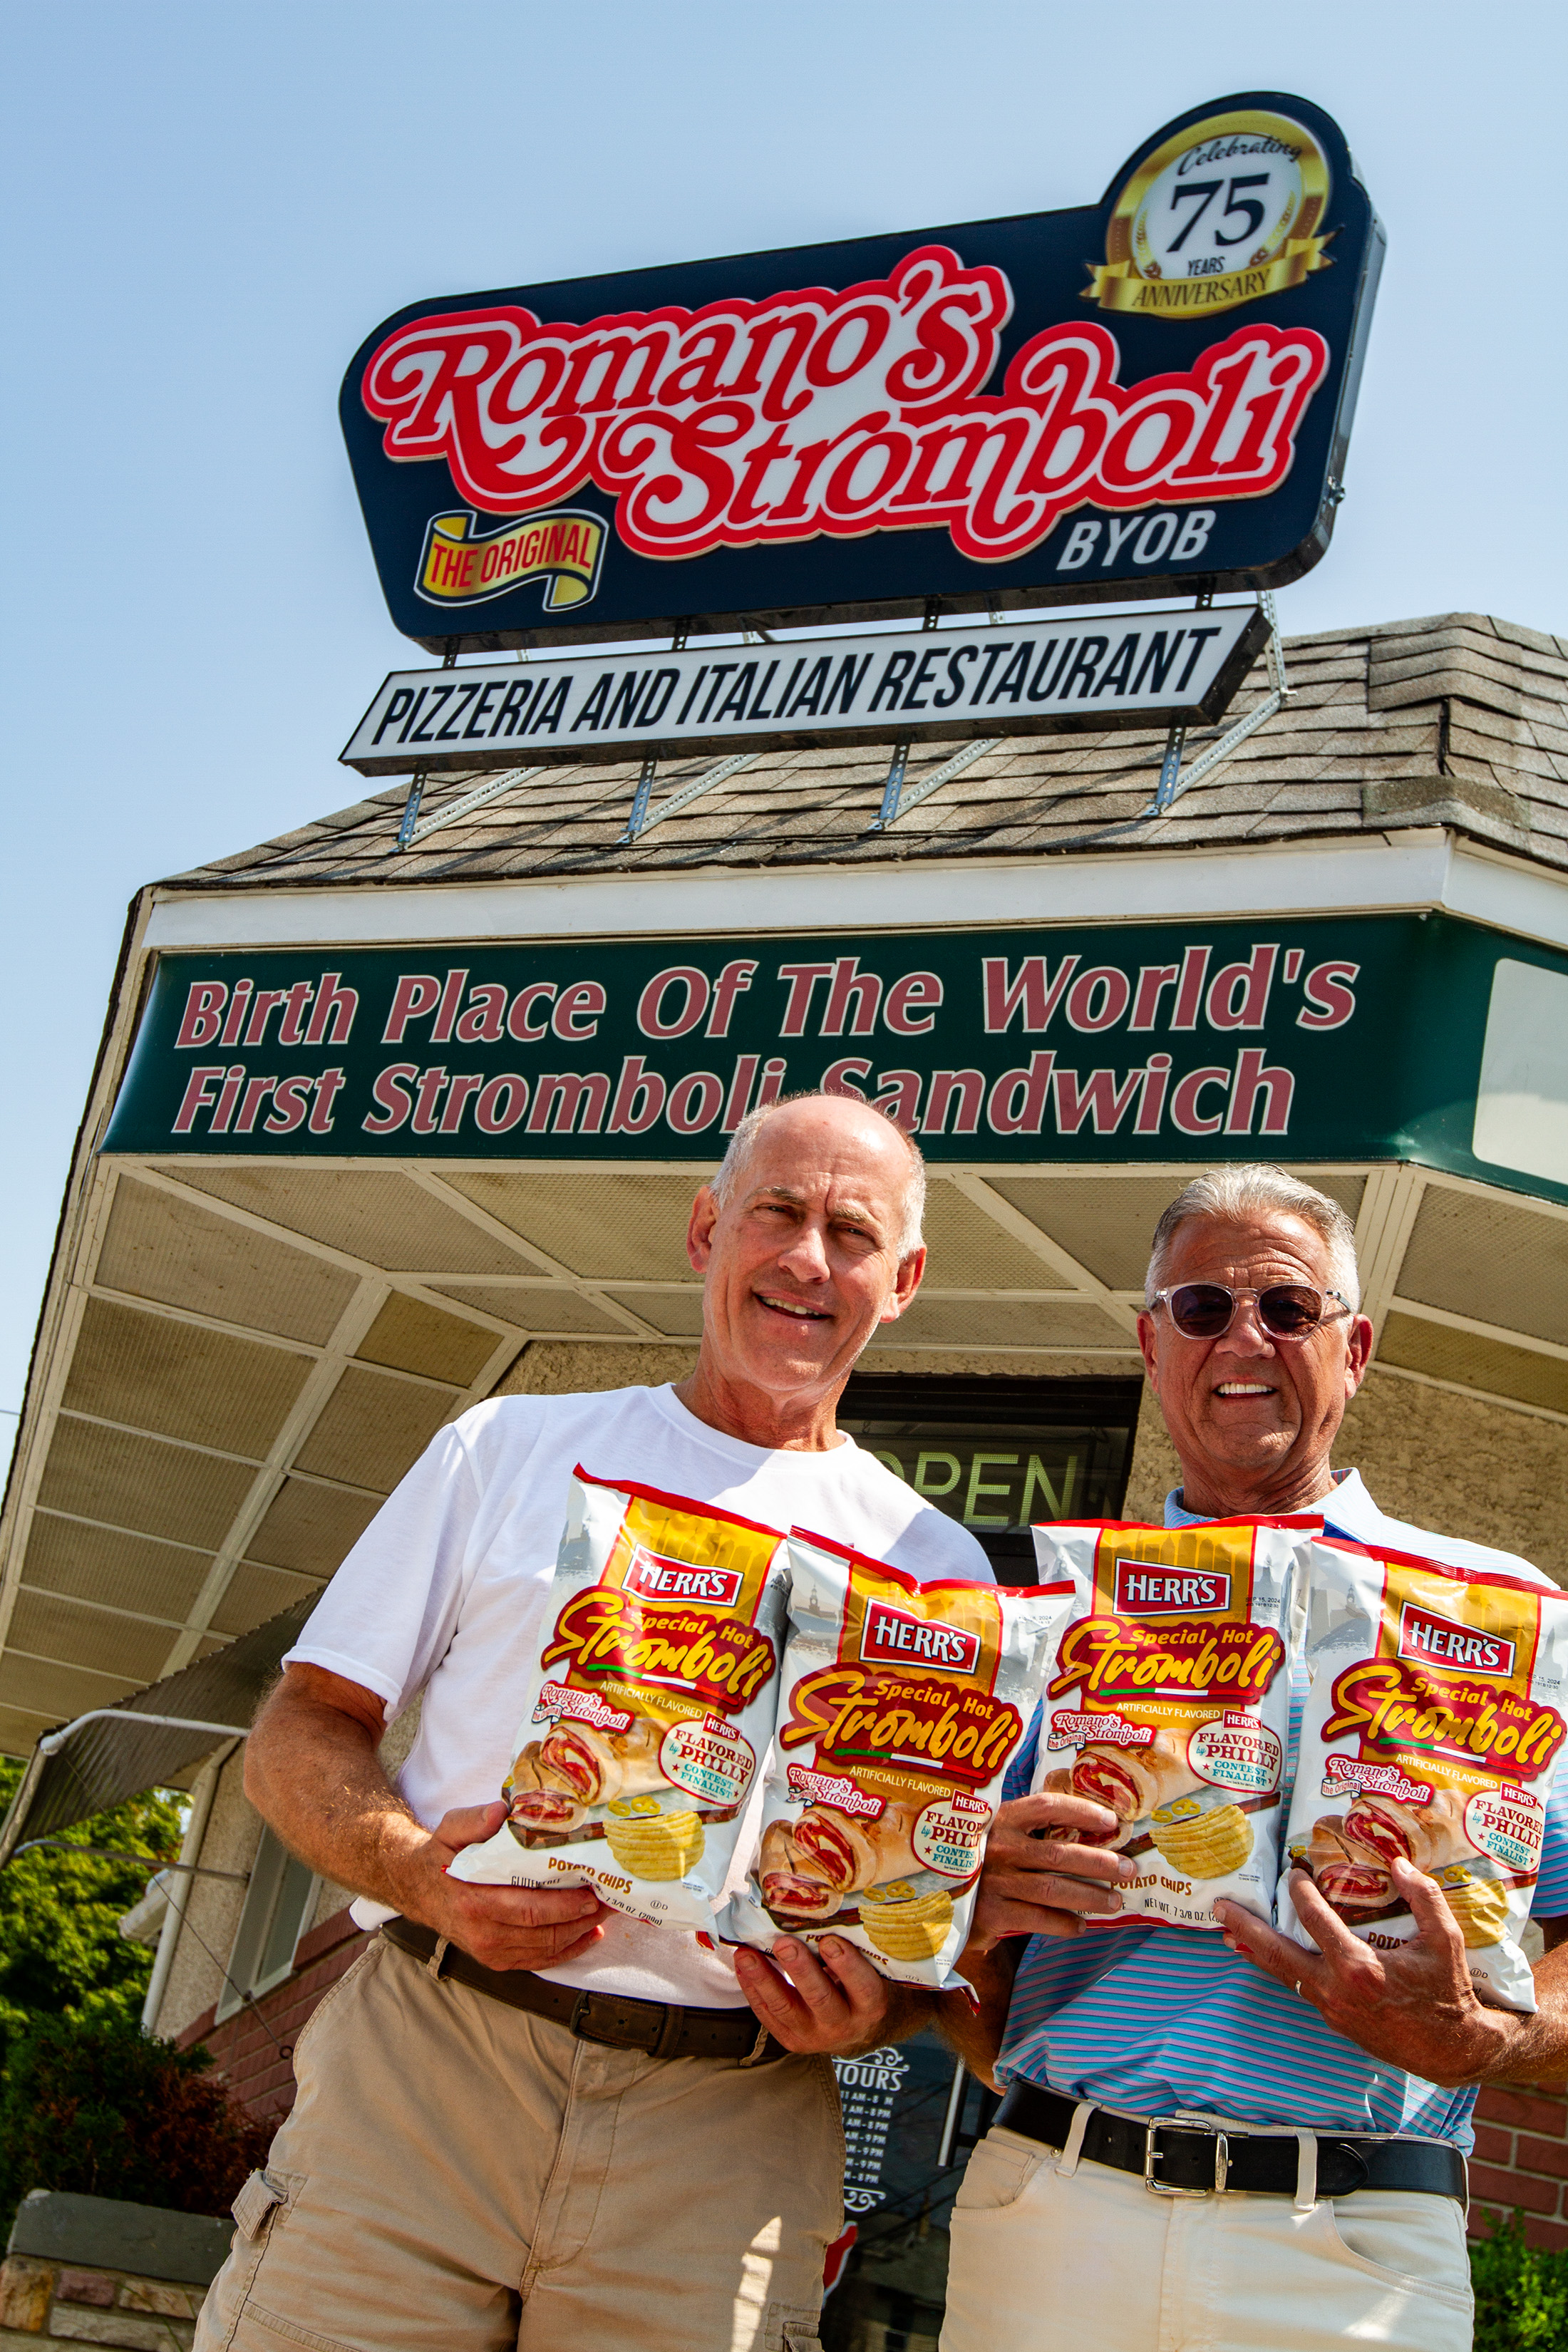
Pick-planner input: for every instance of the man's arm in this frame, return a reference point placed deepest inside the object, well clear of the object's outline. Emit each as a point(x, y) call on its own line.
point(1034, 1882)
point(311, 1770)
point(1415, 2006)
point(976, 2028)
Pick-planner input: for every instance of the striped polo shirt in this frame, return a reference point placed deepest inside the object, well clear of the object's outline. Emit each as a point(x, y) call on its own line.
point(1161, 2021)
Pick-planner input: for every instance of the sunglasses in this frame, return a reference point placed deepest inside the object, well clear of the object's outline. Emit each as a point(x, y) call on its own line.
point(1289, 1310)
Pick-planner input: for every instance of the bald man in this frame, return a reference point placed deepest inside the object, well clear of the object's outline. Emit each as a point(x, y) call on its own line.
point(524, 2120)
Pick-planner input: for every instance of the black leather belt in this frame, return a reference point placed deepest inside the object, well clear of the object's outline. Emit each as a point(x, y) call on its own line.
point(1184, 2160)
point(657, 2027)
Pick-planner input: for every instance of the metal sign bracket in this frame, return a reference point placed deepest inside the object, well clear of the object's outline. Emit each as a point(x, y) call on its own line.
point(643, 820)
point(1173, 783)
point(408, 831)
point(897, 803)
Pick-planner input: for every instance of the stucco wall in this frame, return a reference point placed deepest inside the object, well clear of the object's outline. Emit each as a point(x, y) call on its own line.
point(556, 1367)
point(1463, 1467)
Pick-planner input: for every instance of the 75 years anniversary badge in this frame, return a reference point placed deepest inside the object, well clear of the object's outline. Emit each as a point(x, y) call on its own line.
point(1225, 210)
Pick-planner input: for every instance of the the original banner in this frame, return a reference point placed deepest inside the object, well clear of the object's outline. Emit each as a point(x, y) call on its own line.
point(1148, 394)
point(1349, 1038)
point(1026, 678)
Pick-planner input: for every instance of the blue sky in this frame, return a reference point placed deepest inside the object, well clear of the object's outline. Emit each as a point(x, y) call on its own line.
point(207, 206)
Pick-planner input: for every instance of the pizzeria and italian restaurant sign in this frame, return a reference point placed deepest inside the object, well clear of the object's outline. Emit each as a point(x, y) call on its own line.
point(1027, 679)
point(1360, 1037)
point(1118, 400)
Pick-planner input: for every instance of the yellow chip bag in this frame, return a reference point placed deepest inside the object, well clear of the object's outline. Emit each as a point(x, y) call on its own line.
point(1432, 1736)
point(648, 1708)
point(1169, 1701)
point(900, 1708)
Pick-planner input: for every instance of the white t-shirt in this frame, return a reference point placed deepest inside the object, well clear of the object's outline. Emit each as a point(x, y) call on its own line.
point(446, 1593)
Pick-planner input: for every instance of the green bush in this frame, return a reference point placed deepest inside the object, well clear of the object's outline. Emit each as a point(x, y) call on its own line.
point(1522, 2294)
point(94, 2104)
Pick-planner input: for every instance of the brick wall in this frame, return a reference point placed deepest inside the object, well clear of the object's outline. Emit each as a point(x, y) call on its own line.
point(255, 2048)
point(1521, 2159)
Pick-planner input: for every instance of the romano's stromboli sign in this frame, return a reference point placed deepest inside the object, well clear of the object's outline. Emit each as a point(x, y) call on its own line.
point(1353, 1037)
point(1121, 399)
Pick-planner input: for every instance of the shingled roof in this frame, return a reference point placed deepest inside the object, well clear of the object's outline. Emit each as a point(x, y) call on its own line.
point(1458, 720)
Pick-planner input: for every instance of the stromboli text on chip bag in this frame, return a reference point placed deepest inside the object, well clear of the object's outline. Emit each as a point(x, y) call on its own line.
point(1169, 1702)
point(1433, 1732)
point(900, 1706)
point(648, 1708)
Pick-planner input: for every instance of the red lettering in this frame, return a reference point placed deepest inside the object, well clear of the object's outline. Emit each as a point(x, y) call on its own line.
point(203, 1014)
point(831, 412)
point(1331, 1000)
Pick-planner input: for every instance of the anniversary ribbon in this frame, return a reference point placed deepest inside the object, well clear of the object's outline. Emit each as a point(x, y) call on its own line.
point(1120, 286)
point(459, 566)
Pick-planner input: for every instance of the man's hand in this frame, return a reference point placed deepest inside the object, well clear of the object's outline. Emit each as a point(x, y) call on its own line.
point(1035, 1884)
point(313, 1771)
point(499, 1926)
point(1413, 2007)
point(831, 2001)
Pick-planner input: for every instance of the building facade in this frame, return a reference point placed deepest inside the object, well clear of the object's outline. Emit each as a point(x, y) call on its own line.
point(377, 1133)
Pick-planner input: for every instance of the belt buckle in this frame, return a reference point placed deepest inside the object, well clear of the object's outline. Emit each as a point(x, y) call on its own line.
point(580, 2022)
point(1152, 2152)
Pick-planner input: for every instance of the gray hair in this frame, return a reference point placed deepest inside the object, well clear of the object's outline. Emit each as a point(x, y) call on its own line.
point(733, 1165)
point(1232, 1193)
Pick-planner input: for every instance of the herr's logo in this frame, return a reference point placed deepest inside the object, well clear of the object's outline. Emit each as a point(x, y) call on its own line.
point(1439, 1641)
point(897, 1634)
point(653, 1578)
point(1144, 1592)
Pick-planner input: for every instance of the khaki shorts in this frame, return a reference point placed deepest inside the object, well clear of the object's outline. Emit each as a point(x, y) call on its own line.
point(460, 2176)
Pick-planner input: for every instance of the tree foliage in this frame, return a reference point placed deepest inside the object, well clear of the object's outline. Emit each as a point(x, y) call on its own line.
point(61, 1952)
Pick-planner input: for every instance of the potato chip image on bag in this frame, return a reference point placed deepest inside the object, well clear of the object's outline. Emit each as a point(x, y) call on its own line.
point(649, 1708)
point(900, 1706)
point(1432, 1734)
point(1169, 1702)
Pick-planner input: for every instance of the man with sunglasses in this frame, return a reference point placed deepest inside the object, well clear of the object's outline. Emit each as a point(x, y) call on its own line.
point(1330, 2092)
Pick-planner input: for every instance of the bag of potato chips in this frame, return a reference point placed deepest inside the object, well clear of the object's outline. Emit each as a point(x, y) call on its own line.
point(900, 1706)
point(1433, 1732)
point(649, 1707)
point(1169, 1701)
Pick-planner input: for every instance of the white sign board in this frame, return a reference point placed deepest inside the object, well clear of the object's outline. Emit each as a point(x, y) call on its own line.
point(1078, 674)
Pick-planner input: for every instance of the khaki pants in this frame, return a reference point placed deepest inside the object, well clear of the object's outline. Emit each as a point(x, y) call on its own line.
point(1079, 2261)
point(460, 2176)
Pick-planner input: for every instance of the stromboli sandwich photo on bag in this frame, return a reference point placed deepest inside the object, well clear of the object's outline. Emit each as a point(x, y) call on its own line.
point(1433, 1732)
point(1169, 1702)
point(900, 1706)
point(649, 1708)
